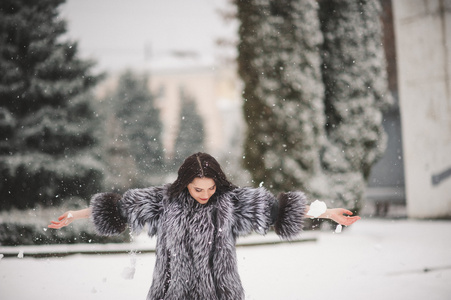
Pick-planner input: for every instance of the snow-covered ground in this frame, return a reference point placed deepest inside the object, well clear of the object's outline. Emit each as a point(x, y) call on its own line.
point(372, 259)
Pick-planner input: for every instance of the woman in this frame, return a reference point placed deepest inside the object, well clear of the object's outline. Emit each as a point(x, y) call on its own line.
point(196, 220)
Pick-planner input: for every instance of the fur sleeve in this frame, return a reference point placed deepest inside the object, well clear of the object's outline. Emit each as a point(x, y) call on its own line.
point(253, 210)
point(143, 206)
point(105, 214)
point(291, 214)
point(138, 207)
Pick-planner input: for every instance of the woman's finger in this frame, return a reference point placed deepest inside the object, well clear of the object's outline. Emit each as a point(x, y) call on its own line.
point(351, 220)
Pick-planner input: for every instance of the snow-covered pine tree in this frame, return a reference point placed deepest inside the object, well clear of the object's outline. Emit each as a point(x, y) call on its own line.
point(46, 149)
point(354, 75)
point(279, 63)
point(190, 137)
point(121, 172)
point(134, 107)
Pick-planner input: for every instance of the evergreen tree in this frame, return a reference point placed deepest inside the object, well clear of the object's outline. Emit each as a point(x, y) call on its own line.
point(121, 172)
point(279, 63)
point(190, 137)
point(46, 119)
point(355, 78)
point(140, 121)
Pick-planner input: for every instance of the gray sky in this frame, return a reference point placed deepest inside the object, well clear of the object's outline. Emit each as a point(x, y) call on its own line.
point(116, 32)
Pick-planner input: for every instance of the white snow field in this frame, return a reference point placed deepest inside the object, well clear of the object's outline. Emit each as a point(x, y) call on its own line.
point(372, 259)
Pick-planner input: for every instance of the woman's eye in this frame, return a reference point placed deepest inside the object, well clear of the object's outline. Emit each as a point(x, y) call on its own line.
point(197, 190)
point(213, 187)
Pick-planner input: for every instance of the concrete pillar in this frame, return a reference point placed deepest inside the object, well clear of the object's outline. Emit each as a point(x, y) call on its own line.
point(423, 43)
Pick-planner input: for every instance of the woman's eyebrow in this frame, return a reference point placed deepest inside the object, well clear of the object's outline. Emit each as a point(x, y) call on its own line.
point(202, 188)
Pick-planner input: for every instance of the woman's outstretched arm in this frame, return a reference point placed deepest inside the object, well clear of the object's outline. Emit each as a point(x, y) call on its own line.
point(340, 215)
point(111, 213)
point(70, 216)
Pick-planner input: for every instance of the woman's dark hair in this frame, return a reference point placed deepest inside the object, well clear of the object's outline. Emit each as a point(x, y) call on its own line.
point(200, 165)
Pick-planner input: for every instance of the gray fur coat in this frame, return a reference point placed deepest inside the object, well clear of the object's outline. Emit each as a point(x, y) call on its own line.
point(195, 253)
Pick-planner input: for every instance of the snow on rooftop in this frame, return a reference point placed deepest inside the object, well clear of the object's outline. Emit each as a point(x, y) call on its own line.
point(180, 62)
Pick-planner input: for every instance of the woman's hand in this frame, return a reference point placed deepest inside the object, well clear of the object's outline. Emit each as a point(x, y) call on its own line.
point(63, 220)
point(70, 216)
point(338, 215)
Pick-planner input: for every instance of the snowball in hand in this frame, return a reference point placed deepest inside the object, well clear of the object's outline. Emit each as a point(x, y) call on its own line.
point(317, 208)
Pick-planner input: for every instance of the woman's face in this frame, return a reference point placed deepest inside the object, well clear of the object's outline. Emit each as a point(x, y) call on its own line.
point(201, 189)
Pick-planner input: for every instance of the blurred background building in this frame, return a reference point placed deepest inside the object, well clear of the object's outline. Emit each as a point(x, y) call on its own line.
point(423, 43)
